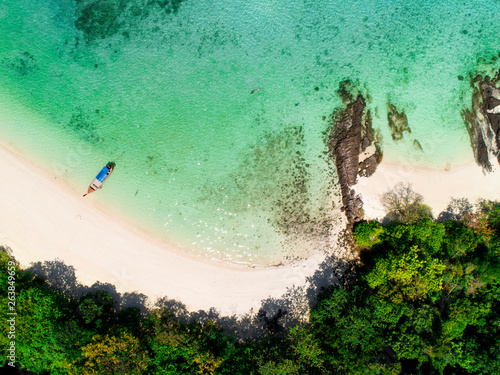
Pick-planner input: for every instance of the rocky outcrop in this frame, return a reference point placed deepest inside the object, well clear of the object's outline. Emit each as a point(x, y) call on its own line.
point(368, 166)
point(483, 120)
point(369, 139)
point(350, 138)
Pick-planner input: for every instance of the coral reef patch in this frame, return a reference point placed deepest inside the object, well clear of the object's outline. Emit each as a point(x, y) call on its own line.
point(83, 125)
point(22, 63)
point(103, 18)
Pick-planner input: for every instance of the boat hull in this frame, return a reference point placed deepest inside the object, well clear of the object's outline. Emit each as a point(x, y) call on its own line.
point(96, 184)
point(100, 178)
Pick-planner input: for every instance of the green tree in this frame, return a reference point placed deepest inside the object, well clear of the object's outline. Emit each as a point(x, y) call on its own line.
point(96, 310)
point(186, 349)
point(38, 347)
point(367, 233)
point(306, 349)
point(426, 234)
point(354, 330)
point(112, 354)
point(412, 275)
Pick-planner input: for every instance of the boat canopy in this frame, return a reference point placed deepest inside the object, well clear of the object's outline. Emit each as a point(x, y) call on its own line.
point(102, 174)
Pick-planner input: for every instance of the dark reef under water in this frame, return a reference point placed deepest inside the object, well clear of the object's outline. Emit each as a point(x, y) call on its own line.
point(103, 18)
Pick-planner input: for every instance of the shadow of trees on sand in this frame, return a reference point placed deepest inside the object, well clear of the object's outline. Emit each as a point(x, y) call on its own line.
point(296, 301)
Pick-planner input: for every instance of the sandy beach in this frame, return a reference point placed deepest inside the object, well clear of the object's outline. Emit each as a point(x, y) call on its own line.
point(43, 219)
point(436, 186)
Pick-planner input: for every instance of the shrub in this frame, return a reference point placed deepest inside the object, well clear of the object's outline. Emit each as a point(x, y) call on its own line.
point(366, 233)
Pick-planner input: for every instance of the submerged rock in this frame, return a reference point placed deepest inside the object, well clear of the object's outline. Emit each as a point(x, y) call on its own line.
point(417, 145)
point(483, 120)
point(398, 122)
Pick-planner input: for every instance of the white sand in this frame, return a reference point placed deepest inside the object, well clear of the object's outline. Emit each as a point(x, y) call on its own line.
point(42, 219)
point(436, 186)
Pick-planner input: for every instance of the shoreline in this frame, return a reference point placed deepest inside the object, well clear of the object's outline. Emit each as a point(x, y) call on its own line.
point(437, 186)
point(44, 219)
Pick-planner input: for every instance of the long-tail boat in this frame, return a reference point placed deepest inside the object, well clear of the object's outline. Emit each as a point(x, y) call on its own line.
point(100, 178)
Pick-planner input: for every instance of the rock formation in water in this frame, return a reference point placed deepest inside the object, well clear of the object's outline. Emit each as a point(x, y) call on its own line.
point(398, 123)
point(483, 120)
point(351, 137)
point(417, 145)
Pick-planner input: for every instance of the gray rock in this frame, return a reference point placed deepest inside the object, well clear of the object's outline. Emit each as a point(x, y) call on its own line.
point(483, 121)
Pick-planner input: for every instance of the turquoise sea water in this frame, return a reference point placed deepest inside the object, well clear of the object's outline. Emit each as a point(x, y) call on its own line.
point(163, 88)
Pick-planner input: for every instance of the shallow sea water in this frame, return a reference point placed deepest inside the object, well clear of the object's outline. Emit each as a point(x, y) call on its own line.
point(163, 88)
